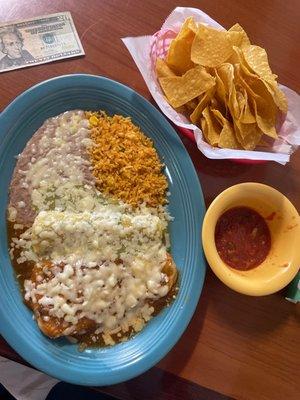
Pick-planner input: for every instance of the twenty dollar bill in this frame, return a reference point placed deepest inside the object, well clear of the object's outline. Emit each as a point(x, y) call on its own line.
point(38, 40)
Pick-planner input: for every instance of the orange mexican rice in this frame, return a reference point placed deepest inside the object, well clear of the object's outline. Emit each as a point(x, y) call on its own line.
point(125, 162)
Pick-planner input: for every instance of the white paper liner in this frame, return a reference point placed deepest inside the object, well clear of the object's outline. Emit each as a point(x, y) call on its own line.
point(289, 135)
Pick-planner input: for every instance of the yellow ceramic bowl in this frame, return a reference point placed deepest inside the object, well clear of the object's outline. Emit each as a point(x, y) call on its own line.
point(283, 261)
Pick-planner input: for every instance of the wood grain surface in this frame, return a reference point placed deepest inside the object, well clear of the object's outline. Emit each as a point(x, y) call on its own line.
point(242, 347)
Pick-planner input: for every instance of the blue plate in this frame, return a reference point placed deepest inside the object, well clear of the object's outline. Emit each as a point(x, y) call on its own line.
point(59, 358)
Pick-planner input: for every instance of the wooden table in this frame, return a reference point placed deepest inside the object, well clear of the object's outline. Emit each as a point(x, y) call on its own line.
point(238, 346)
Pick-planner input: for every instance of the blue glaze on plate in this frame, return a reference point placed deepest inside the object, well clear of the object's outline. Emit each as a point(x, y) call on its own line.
point(59, 358)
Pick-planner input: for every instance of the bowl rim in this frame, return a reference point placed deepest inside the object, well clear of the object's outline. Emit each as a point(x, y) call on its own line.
point(137, 366)
point(220, 268)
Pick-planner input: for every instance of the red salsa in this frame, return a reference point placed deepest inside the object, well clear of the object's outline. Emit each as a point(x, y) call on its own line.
point(242, 238)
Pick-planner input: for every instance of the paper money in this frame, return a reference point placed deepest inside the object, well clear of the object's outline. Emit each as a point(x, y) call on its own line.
point(38, 40)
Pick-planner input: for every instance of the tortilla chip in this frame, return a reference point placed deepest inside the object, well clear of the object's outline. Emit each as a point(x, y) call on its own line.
point(181, 89)
point(196, 114)
point(243, 40)
point(248, 135)
point(241, 78)
point(179, 53)
point(227, 139)
point(278, 97)
point(246, 116)
point(162, 69)
point(240, 60)
point(241, 101)
point(257, 59)
point(192, 104)
point(219, 116)
point(235, 38)
point(212, 127)
point(261, 103)
point(204, 129)
point(188, 25)
point(182, 110)
point(210, 47)
point(265, 119)
point(226, 74)
point(191, 24)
